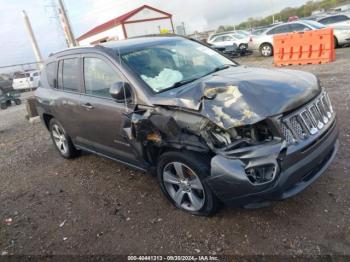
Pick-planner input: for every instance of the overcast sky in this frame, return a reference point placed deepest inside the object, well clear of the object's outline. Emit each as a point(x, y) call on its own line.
point(84, 14)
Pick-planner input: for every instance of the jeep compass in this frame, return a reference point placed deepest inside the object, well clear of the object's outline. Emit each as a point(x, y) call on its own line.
point(211, 130)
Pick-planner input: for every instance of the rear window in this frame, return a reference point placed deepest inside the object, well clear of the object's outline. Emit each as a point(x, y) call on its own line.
point(314, 24)
point(51, 73)
point(68, 75)
point(19, 75)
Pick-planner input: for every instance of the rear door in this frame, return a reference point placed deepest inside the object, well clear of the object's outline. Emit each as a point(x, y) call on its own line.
point(69, 87)
point(103, 118)
point(229, 40)
point(19, 81)
point(219, 41)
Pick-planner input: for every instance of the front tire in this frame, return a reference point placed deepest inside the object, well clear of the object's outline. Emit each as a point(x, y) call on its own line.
point(62, 141)
point(266, 50)
point(18, 101)
point(181, 176)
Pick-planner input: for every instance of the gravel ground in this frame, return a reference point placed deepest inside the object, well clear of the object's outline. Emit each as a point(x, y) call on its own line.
point(91, 205)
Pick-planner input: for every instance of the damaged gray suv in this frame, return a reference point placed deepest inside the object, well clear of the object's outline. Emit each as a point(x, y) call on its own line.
point(211, 130)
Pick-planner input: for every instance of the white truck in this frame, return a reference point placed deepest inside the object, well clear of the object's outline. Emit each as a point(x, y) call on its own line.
point(26, 80)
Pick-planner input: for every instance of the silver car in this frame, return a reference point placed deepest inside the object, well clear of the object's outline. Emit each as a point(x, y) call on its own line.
point(341, 25)
point(264, 41)
point(229, 39)
point(342, 19)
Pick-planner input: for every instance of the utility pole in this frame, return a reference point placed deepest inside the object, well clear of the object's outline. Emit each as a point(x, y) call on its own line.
point(66, 25)
point(184, 28)
point(35, 46)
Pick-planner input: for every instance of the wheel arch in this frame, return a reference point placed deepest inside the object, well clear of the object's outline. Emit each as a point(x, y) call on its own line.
point(152, 153)
point(265, 43)
point(336, 42)
point(47, 118)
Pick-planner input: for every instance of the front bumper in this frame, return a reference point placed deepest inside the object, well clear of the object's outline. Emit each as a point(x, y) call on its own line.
point(298, 169)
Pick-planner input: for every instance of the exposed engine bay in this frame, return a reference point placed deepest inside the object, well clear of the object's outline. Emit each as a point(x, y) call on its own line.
point(181, 129)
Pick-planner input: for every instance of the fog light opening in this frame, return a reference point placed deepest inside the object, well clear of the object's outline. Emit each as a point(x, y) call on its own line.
point(261, 174)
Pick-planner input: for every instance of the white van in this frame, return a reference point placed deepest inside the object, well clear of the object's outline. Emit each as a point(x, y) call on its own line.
point(26, 80)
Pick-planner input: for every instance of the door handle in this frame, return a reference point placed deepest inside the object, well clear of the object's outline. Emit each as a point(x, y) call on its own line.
point(87, 106)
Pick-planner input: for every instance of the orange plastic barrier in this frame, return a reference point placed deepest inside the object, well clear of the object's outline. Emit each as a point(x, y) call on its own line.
point(311, 47)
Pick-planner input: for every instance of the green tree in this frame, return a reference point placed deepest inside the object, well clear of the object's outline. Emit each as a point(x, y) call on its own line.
point(302, 11)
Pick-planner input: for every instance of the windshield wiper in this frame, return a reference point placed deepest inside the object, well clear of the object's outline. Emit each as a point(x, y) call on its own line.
point(216, 69)
point(180, 83)
point(219, 68)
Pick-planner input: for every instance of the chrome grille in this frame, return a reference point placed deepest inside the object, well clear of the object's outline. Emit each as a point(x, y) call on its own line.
point(307, 121)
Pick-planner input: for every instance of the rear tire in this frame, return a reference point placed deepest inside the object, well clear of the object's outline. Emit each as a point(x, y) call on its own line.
point(187, 189)
point(18, 101)
point(8, 103)
point(266, 50)
point(62, 141)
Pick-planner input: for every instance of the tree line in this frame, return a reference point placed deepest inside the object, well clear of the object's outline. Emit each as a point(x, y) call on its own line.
point(302, 11)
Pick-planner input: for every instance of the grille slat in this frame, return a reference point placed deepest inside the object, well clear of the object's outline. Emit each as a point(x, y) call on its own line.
point(307, 121)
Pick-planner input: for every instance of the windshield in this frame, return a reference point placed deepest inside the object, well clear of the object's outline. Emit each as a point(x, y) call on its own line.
point(177, 62)
point(314, 24)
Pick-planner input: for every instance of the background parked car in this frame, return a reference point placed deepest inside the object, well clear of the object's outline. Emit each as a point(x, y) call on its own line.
point(264, 41)
point(337, 20)
point(231, 50)
point(26, 80)
point(229, 39)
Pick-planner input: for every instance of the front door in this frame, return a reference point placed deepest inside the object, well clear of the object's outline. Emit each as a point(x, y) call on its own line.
point(104, 118)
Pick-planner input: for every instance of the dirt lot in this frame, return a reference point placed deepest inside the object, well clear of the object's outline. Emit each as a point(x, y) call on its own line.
point(92, 205)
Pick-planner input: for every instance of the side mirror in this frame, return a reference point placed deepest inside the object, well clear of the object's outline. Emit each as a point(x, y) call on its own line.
point(120, 91)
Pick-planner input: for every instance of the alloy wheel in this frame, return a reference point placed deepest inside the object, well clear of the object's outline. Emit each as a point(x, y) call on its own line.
point(266, 50)
point(60, 139)
point(183, 186)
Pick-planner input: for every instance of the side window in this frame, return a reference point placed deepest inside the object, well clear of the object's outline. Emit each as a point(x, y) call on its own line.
point(328, 20)
point(298, 27)
point(279, 30)
point(70, 75)
point(99, 76)
point(50, 73)
point(228, 38)
point(341, 18)
point(219, 39)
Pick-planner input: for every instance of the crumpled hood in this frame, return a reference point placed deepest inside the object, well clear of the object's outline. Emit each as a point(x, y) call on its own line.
point(243, 95)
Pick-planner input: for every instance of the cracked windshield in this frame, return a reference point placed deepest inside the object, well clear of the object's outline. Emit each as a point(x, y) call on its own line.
point(172, 64)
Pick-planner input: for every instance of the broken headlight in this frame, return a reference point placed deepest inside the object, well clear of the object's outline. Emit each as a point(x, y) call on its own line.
point(241, 136)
